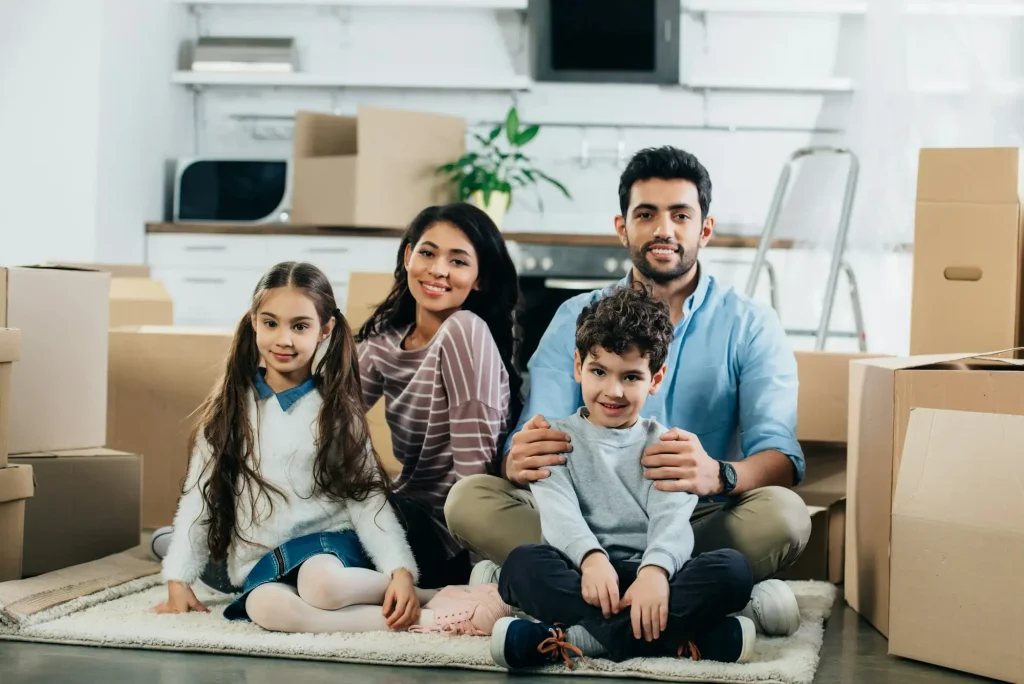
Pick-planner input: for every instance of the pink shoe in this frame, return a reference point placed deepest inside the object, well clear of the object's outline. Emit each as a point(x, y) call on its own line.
point(465, 610)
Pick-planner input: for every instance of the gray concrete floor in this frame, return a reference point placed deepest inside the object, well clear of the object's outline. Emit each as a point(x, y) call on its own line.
point(853, 652)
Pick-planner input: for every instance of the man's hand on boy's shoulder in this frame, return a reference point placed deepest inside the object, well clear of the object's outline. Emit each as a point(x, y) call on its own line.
point(534, 448)
point(647, 599)
point(679, 463)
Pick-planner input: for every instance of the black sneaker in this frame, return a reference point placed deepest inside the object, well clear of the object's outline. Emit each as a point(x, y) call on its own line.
point(517, 644)
point(730, 641)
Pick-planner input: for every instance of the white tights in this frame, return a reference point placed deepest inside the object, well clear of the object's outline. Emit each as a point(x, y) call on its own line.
point(329, 598)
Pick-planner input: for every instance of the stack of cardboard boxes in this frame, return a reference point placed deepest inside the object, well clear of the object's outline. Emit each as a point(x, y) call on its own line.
point(15, 481)
point(935, 502)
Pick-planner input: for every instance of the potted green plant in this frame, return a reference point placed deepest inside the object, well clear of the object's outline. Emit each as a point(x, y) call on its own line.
point(488, 176)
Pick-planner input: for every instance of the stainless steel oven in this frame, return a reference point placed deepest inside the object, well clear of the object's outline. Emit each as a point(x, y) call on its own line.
point(549, 274)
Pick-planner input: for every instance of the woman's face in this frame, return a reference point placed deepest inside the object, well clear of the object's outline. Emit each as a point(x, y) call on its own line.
point(442, 269)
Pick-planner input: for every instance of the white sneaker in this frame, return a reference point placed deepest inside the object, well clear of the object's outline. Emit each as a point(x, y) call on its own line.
point(773, 608)
point(161, 541)
point(484, 572)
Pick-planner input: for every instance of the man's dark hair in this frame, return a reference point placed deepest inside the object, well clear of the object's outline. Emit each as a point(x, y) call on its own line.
point(667, 163)
point(629, 317)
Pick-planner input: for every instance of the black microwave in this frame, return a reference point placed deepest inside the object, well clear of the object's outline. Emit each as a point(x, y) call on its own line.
point(214, 190)
point(605, 41)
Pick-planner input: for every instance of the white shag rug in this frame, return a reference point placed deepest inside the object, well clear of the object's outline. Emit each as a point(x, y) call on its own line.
point(119, 617)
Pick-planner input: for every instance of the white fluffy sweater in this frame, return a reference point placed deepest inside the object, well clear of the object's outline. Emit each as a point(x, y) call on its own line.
point(286, 452)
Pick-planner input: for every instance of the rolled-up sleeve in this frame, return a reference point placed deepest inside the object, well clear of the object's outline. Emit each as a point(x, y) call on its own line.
point(768, 389)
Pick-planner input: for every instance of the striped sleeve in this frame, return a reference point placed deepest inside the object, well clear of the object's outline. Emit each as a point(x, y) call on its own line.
point(471, 366)
point(476, 431)
point(369, 377)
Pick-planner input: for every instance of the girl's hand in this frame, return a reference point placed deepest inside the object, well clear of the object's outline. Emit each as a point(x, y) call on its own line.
point(180, 599)
point(401, 605)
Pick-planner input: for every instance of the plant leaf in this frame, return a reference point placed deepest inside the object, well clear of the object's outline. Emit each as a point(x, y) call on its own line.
point(495, 132)
point(528, 134)
point(512, 126)
point(551, 180)
point(482, 140)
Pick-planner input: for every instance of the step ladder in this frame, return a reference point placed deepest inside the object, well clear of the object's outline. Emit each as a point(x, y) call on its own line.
point(838, 264)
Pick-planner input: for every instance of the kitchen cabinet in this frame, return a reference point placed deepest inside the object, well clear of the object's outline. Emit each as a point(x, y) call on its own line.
point(211, 277)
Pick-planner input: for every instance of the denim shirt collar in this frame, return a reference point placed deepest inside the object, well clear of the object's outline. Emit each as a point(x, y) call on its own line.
point(286, 398)
point(694, 301)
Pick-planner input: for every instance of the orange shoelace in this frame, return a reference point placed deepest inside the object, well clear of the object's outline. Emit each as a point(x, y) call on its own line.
point(556, 645)
point(689, 650)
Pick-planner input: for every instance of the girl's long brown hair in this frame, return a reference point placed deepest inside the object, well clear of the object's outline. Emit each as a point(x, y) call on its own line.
point(346, 467)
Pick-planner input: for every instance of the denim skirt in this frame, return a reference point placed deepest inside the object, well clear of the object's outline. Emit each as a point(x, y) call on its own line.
point(282, 564)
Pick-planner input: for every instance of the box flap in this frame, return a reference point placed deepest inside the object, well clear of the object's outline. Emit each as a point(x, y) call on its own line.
point(981, 175)
point(941, 360)
point(324, 135)
point(10, 345)
point(16, 483)
point(961, 467)
point(97, 451)
point(60, 266)
point(209, 331)
point(115, 270)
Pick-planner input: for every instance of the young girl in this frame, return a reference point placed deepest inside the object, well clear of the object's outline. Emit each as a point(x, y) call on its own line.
point(440, 350)
point(284, 486)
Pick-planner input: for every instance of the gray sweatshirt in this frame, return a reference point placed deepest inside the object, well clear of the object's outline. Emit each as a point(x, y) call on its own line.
point(600, 499)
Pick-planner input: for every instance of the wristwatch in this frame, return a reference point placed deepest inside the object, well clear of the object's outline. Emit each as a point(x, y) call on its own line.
point(727, 475)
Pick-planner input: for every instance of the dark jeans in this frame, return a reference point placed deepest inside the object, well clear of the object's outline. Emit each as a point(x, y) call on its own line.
point(545, 584)
point(436, 568)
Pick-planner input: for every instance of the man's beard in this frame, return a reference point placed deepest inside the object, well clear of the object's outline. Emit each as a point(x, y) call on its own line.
point(687, 261)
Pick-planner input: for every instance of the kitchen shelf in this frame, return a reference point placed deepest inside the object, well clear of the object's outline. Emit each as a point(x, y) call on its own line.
point(457, 4)
point(813, 87)
point(811, 7)
point(306, 80)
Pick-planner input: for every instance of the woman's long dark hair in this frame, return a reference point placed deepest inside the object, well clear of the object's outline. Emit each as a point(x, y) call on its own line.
point(340, 470)
point(497, 302)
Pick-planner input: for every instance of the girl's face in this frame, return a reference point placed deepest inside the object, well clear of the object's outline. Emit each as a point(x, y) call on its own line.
point(288, 331)
point(442, 269)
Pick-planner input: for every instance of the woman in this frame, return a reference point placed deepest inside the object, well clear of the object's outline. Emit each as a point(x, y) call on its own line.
point(440, 350)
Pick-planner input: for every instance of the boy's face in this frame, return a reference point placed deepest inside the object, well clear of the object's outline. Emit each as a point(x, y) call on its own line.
point(615, 387)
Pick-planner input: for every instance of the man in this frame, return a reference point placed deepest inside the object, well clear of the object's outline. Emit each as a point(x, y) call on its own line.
point(729, 394)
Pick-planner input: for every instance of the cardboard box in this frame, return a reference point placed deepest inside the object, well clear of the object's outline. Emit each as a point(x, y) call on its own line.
point(822, 409)
point(958, 544)
point(87, 506)
point(365, 292)
point(977, 190)
point(139, 301)
point(59, 386)
point(15, 488)
point(159, 376)
point(373, 170)
point(882, 392)
point(824, 492)
point(115, 270)
point(10, 350)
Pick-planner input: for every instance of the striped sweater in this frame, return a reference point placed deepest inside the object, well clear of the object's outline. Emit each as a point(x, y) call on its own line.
point(447, 405)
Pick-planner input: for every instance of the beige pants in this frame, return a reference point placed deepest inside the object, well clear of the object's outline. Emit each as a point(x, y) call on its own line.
point(769, 526)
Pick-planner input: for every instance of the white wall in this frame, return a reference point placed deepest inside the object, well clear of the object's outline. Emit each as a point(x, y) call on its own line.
point(86, 118)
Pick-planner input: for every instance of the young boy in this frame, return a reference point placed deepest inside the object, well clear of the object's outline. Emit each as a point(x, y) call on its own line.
point(616, 567)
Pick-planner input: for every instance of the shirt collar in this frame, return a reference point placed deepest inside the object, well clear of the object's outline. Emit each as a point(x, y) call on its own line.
point(286, 398)
point(692, 302)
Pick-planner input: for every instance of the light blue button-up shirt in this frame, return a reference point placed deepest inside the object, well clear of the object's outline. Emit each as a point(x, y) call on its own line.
point(731, 374)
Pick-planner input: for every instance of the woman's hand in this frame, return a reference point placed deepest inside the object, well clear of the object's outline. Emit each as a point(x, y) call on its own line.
point(180, 599)
point(401, 605)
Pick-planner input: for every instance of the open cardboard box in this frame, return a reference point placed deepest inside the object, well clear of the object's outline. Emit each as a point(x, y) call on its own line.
point(822, 409)
point(958, 543)
point(882, 393)
point(59, 385)
point(372, 170)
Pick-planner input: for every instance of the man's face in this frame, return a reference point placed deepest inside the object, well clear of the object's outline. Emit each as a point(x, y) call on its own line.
point(663, 228)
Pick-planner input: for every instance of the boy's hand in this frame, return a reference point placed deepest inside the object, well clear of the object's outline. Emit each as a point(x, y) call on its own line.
point(534, 448)
point(648, 598)
point(401, 605)
point(600, 583)
point(180, 599)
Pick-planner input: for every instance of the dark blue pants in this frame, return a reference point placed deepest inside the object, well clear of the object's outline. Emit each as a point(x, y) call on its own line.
point(545, 584)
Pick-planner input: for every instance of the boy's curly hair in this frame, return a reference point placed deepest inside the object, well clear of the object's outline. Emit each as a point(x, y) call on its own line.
point(629, 317)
